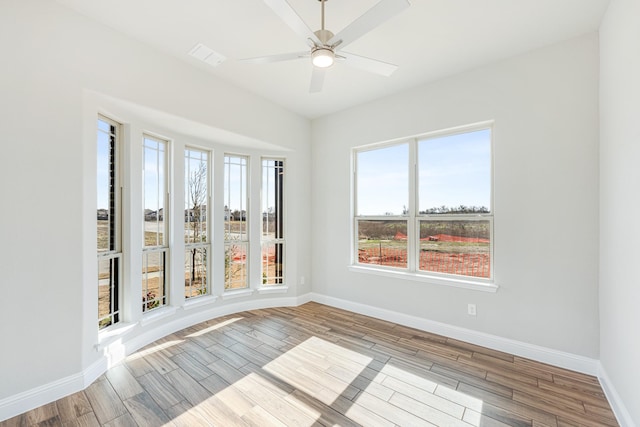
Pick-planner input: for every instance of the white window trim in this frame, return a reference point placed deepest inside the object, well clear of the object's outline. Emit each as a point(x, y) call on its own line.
point(118, 252)
point(229, 293)
point(208, 245)
point(156, 314)
point(112, 333)
point(237, 293)
point(413, 218)
point(199, 301)
point(426, 278)
point(167, 230)
point(277, 288)
point(273, 289)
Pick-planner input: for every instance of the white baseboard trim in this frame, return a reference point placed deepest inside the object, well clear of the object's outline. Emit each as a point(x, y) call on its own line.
point(617, 405)
point(30, 399)
point(38, 396)
point(117, 350)
point(530, 351)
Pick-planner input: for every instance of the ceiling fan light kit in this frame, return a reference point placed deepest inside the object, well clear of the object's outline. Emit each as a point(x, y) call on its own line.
point(322, 57)
point(325, 45)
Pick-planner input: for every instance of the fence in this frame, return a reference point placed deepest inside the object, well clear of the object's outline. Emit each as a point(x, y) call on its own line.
point(465, 264)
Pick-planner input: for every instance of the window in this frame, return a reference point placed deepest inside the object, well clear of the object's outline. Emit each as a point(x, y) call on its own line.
point(424, 205)
point(455, 217)
point(382, 203)
point(155, 219)
point(108, 223)
point(272, 222)
point(197, 244)
point(236, 236)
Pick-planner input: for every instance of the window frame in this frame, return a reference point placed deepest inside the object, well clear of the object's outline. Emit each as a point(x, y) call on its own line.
point(164, 249)
point(207, 245)
point(114, 254)
point(280, 218)
point(245, 242)
point(413, 218)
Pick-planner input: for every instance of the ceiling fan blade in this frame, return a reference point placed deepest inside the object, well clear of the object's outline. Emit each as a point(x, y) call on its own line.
point(317, 79)
point(276, 58)
point(368, 64)
point(292, 19)
point(368, 21)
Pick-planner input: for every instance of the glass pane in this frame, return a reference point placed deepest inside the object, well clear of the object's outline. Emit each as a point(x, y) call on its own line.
point(383, 181)
point(108, 277)
point(153, 280)
point(272, 261)
point(154, 165)
point(455, 173)
point(383, 243)
point(235, 266)
point(272, 197)
point(456, 247)
point(195, 274)
point(235, 196)
point(196, 195)
point(104, 126)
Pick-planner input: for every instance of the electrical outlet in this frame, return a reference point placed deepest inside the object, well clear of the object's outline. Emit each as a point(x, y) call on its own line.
point(471, 309)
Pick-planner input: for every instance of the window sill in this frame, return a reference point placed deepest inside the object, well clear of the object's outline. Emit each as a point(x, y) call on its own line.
point(157, 314)
point(273, 289)
point(111, 334)
point(445, 281)
point(237, 294)
point(199, 301)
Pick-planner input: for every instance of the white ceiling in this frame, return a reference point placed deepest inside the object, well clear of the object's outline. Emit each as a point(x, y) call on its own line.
point(428, 41)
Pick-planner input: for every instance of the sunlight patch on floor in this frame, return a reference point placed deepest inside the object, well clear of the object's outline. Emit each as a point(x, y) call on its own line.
point(214, 327)
point(156, 348)
point(299, 386)
point(320, 369)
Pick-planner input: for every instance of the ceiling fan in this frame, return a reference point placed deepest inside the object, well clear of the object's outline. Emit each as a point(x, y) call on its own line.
point(326, 47)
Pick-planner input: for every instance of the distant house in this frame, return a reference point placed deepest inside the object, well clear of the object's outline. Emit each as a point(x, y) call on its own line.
point(190, 215)
point(151, 215)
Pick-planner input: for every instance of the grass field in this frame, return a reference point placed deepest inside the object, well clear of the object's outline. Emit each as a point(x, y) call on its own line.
point(446, 246)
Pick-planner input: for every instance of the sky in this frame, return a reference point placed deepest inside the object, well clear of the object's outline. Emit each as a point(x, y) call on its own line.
point(103, 165)
point(153, 168)
point(453, 170)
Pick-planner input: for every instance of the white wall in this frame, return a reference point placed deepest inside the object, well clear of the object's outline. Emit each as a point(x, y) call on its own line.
point(620, 200)
point(545, 107)
point(52, 58)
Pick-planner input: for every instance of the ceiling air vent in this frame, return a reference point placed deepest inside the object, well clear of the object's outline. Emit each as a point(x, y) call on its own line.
point(206, 54)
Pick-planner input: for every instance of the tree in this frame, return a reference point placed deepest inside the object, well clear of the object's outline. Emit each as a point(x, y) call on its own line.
point(197, 197)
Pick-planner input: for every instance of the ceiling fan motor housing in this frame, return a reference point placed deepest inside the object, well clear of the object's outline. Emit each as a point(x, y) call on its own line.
point(324, 36)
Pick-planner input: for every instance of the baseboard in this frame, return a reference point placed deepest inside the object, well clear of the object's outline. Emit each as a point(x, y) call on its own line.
point(541, 354)
point(617, 405)
point(23, 402)
point(38, 396)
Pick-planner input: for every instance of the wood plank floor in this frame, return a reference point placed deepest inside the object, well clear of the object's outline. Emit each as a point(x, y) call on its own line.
point(315, 365)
